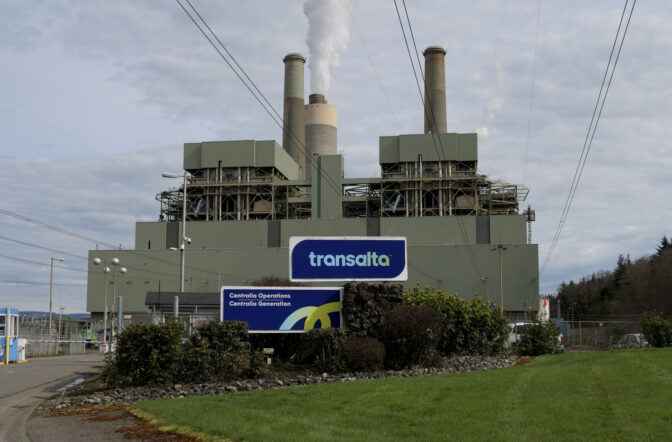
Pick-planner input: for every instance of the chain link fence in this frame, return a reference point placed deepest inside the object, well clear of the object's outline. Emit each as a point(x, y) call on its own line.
point(61, 338)
point(602, 334)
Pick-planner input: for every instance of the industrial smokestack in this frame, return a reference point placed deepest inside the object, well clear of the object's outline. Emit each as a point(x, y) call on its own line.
point(321, 124)
point(435, 90)
point(293, 133)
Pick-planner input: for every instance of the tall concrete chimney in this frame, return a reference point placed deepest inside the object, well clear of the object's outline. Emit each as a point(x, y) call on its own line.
point(321, 124)
point(293, 133)
point(435, 90)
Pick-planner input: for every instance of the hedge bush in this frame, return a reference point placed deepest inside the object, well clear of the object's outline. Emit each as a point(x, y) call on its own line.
point(656, 329)
point(410, 335)
point(145, 354)
point(363, 354)
point(323, 348)
point(218, 351)
point(540, 338)
point(155, 354)
point(468, 327)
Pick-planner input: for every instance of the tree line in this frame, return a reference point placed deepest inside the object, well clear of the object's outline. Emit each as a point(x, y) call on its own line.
point(631, 288)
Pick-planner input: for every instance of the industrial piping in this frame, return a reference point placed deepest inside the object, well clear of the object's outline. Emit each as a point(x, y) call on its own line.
point(321, 129)
point(293, 133)
point(435, 90)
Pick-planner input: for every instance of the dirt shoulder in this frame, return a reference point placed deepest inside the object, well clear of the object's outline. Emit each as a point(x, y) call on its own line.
point(103, 424)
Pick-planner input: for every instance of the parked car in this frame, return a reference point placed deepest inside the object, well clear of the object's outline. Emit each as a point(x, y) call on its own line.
point(632, 340)
point(519, 328)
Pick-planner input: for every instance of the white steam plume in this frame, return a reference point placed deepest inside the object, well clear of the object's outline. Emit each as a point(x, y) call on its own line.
point(328, 37)
point(493, 108)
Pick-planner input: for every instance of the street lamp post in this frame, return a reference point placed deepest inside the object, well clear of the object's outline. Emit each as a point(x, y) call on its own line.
point(487, 289)
point(122, 270)
point(51, 289)
point(106, 270)
point(500, 247)
point(184, 224)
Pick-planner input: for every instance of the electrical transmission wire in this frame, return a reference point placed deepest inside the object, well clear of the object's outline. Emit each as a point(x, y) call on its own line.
point(375, 71)
point(592, 127)
point(439, 152)
point(252, 87)
point(52, 125)
point(531, 108)
point(268, 107)
point(60, 252)
point(56, 229)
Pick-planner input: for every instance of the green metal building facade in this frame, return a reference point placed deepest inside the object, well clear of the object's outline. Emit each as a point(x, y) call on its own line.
point(246, 199)
point(455, 252)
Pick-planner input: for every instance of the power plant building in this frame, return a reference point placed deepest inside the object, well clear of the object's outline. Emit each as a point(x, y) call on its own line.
point(246, 198)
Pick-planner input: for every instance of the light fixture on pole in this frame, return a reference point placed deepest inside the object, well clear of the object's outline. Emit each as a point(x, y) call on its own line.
point(122, 270)
point(51, 288)
point(184, 223)
point(106, 270)
point(487, 288)
point(501, 248)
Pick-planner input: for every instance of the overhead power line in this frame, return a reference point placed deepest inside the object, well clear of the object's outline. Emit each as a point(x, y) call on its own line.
point(60, 252)
point(375, 71)
point(531, 107)
point(592, 127)
point(435, 137)
point(251, 86)
point(57, 229)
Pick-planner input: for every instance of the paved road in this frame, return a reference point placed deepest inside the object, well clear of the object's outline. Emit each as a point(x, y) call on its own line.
point(24, 386)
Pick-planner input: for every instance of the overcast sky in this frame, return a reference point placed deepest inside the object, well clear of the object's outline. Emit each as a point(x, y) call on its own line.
point(98, 97)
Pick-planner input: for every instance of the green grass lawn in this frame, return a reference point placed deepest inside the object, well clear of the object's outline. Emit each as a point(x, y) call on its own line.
point(624, 395)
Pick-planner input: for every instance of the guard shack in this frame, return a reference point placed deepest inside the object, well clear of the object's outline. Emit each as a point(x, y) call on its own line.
point(12, 349)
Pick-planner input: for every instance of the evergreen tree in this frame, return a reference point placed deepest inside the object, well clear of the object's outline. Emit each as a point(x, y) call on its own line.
point(664, 245)
point(619, 271)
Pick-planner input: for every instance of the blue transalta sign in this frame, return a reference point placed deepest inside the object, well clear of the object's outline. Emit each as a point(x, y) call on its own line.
point(349, 258)
point(282, 309)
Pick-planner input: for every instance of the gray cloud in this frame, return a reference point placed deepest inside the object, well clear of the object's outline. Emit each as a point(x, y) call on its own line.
point(124, 77)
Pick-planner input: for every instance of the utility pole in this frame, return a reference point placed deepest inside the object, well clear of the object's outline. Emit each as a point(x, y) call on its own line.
point(500, 248)
point(184, 231)
point(60, 315)
point(185, 240)
point(51, 289)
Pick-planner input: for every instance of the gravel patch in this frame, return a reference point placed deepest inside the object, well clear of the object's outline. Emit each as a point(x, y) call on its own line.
point(129, 395)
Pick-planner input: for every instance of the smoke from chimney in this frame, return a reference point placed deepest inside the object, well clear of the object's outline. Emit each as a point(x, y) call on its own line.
point(328, 37)
point(493, 108)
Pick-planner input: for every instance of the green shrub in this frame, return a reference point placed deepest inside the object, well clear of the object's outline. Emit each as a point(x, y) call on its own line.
point(363, 354)
point(155, 354)
point(217, 351)
point(257, 365)
point(145, 354)
point(468, 327)
point(410, 335)
point(656, 329)
point(323, 347)
point(224, 336)
point(540, 338)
